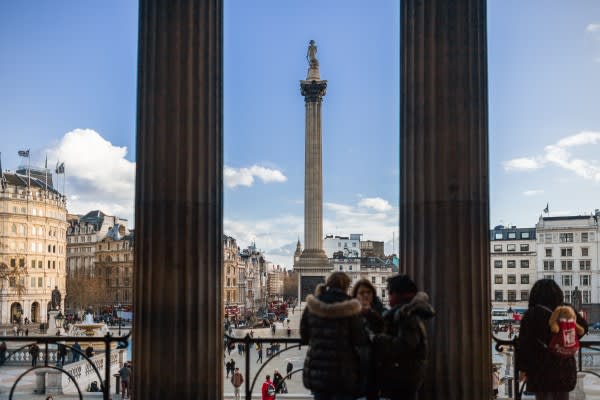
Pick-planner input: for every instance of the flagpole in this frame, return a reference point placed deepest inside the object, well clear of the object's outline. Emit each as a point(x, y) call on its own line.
point(29, 170)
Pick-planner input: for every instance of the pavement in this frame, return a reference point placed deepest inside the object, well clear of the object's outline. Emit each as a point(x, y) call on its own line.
point(295, 356)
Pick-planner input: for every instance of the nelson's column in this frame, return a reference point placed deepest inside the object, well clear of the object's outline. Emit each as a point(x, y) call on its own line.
point(313, 265)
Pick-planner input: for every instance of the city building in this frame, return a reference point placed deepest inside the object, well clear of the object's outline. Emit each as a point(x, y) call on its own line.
point(256, 277)
point(513, 267)
point(33, 224)
point(371, 248)
point(275, 278)
point(113, 268)
point(567, 249)
point(349, 246)
point(83, 233)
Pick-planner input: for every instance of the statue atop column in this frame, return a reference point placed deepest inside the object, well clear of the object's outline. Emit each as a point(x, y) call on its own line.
point(56, 298)
point(576, 299)
point(313, 63)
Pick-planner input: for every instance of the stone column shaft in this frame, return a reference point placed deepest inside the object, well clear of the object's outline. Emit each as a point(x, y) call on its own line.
point(313, 178)
point(178, 287)
point(444, 219)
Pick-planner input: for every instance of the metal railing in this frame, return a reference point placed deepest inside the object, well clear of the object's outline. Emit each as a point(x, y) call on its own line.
point(45, 341)
point(248, 341)
point(517, 387)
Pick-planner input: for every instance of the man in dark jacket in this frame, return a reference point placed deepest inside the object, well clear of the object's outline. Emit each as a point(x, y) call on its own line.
point(401, 350)
point(332, 327)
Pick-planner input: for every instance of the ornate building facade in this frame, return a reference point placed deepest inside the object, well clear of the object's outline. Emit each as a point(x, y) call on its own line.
point(83, 233)
point(33, 224)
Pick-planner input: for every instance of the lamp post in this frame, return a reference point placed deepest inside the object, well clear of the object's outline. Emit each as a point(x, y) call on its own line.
point(119, 316)
point(59, 320)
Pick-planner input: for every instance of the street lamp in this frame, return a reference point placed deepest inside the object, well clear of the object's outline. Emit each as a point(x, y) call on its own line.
point(59, 319)
point(119, 316)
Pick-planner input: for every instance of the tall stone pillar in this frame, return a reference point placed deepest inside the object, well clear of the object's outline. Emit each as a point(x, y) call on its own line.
point(313, 265)
point(178, 301)
point(444, 183)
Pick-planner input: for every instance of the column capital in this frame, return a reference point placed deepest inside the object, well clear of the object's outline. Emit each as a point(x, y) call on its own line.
point(313, 91)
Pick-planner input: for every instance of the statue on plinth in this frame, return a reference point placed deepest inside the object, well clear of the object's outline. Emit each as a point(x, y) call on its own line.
point(576, 299)
point(311, 54)
point(56, 298)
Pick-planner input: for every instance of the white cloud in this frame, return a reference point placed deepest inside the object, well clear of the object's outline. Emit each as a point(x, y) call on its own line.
point(559, 155)
point(277, 236)
point(245, 176)
point(592, 28)
point(522, 164)
point(98, 176)
point(532, 192)
point(376, 203)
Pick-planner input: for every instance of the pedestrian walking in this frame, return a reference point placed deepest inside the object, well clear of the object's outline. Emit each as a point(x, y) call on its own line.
point(3, 350)
point(288, 370)
point(278, 382)
point(237, 379)
point(273, 328)
point(61, 353)
point(227, 368)
point(332, 327)
point(268, 389)
point(75, 352)
point(260, 354)
point(125, 373)
point(548, 374)
point(495, 382)
point(34, 352)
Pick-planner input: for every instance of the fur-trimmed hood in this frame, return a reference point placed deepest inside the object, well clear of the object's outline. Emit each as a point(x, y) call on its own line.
point(341, 309)
point(419, 305)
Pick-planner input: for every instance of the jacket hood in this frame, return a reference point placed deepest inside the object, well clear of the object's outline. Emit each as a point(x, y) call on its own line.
point(326, 309)
point(419, 305)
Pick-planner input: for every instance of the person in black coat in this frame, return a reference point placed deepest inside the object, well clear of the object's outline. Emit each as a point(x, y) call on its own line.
point(548, 375)
point(401, 349)
point(331, 325)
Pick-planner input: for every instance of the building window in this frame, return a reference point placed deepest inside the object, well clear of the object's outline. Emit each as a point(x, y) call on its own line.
point(339, 244)
point(567, 280)
point(497, 263)
point(548, 237)
point(498, 279)
point(549, 252)
point(498, 295)
point(511, 264)
point(13, 262)
point(374, 279)
point(566, 252)
point(512, 235)
point(584, 237)
point(524, 263)
point(511, 279)
point(353, 244)
point(497, 247)
point(566, 237)
point(32, 283)
point(585, 251)
point(549, 277)
point(525, 279)
point(40, 282)
point(498, 236)
point(524, 295)
point(585, 280)
point(48, 264)
point(40, 264)
point(511, 247)
point(566, 265)
point(512, 295)
point(341, 267)
point(383, 293)
point(12, 281)
point(586, 296)
point(585, 265)
point(524, 235)
point(350, 268)
point(524, 247)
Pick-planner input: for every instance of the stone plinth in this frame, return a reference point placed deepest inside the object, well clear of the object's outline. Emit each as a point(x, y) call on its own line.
point(52, 321)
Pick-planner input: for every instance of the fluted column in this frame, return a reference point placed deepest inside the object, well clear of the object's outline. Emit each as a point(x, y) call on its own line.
point(177, 343)
point(444, 187)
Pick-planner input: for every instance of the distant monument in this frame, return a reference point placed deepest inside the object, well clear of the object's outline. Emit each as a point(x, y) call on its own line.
point(313, 264)
point(56, 298)
point(576, 299)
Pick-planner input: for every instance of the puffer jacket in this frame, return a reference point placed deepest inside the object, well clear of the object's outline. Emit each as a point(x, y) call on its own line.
point(546, 372)
point(331, 325)
point(401, 350)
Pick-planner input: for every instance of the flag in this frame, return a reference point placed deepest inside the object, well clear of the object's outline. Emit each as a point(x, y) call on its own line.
point(60, 168)
point(24, 153)
point(547, 209)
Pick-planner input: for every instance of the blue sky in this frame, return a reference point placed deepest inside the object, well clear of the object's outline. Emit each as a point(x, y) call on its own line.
point(67, 89)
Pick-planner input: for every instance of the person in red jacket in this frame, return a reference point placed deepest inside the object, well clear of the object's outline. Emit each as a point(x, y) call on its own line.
point(268, 389)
